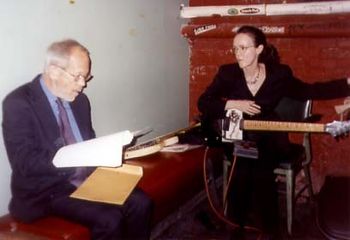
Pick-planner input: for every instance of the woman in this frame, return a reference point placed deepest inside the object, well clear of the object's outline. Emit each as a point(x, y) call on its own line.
point(255, 84)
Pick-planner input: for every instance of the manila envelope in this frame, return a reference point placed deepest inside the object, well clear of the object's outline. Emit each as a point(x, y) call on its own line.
point(109, 185)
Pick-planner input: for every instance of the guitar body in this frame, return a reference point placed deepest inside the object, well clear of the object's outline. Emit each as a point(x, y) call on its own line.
point(212, 131)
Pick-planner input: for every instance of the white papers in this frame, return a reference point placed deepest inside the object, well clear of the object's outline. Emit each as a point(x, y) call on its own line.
point(103, 151)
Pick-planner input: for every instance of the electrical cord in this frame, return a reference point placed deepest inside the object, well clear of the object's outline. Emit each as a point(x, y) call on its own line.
point(220, 215)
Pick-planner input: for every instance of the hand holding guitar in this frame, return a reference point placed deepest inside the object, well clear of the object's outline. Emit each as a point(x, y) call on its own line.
point(247, 106)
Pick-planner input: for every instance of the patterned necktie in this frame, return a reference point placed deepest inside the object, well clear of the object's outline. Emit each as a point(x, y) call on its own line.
point(65, 127)
point(67, 133)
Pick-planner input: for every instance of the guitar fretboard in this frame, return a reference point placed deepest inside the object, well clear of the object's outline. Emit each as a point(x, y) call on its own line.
point(282, 126)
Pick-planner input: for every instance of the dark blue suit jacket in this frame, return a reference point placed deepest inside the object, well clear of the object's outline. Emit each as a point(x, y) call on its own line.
point(31, 137)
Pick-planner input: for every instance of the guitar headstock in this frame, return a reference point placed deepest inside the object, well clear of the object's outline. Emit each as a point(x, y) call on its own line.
point(338, 128)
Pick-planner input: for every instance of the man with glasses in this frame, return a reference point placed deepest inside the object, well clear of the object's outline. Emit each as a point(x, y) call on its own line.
point(40, 117)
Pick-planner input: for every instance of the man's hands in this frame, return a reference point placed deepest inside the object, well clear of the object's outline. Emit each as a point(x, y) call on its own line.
point(247, 106)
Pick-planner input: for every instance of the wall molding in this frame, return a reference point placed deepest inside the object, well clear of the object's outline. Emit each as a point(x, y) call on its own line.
point(308, 8)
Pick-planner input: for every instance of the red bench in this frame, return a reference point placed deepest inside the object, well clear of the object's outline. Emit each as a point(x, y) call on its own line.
point(170, 179)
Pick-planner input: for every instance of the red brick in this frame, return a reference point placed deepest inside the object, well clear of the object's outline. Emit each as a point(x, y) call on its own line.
point(211, 56)
point(212, 43)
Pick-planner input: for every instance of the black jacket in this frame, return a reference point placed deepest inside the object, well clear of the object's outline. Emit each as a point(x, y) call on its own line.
point(31, 136)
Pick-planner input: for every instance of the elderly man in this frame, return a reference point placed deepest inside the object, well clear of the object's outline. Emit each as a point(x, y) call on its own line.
point(40, 117)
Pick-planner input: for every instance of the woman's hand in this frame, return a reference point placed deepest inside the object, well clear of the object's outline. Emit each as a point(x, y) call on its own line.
point(246, 106)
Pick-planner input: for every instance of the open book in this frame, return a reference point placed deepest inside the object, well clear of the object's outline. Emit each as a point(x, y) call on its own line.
point(103, 151)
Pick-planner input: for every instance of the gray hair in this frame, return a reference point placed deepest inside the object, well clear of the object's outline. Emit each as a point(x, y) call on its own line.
point(58, 53)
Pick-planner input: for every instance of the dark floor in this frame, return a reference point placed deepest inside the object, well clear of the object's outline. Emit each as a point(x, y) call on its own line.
point(201, 223)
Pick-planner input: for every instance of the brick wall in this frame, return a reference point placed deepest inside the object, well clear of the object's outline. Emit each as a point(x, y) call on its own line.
point(317, 47)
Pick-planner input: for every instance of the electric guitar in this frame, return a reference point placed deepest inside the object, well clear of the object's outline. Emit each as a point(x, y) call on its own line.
point(233, 125)
point(156, 144)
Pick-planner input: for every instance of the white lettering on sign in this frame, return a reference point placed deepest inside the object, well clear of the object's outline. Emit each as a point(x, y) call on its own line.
point(204, 29)
point(273, 29)
point(250, 10)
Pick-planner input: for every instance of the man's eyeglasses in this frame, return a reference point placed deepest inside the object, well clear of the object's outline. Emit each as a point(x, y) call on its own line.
point(241, 49)
point(78, 77)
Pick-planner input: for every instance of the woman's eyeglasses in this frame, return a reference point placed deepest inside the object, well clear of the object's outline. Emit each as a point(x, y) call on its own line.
point(241, 49)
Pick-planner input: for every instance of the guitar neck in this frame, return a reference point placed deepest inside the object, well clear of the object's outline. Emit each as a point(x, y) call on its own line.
point(175, 133)
point(282, 126)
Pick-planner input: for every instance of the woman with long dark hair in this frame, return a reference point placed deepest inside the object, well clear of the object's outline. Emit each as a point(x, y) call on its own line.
point(255, 84)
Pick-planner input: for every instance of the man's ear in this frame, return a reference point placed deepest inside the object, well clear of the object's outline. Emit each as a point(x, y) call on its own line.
point(53, 72)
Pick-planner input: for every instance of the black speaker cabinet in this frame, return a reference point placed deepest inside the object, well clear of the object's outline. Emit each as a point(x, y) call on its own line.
point(333, 208)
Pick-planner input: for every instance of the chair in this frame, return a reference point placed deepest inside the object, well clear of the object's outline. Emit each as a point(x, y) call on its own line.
point(296, 111)
point(293, 111)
